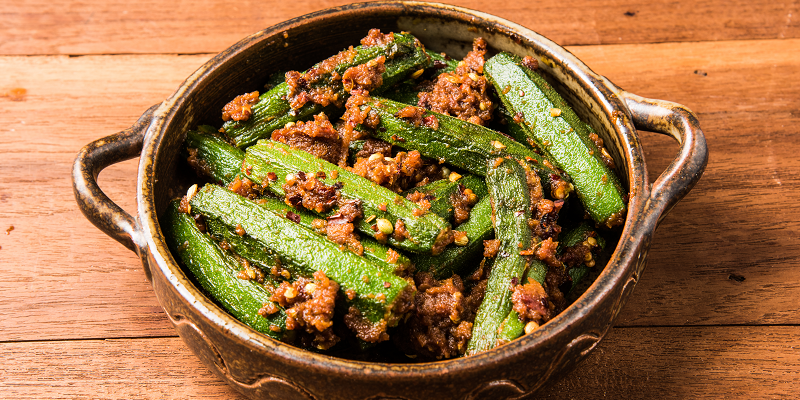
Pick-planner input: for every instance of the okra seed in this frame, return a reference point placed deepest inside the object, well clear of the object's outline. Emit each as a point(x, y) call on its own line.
point(555, 112)
point(454, 176)
point(290, 293)
point(473, 76)
point(376, 156)
point(497, 145)
point(417, 73)
point(289, 125)
point(191, 192)
point(461, 239)
point(530, 327)
point(384, 226)
point(445, 172)
point(592, 241)
point(587, 257)
point(590, 263)
point(310, 288)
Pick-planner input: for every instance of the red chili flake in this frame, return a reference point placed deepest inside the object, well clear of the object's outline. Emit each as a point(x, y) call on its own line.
point(387, 285)
point(398, 139)
point(271, 176)
point(382, 206)
point(293, 217)
point(321, 175)
point(431, 122)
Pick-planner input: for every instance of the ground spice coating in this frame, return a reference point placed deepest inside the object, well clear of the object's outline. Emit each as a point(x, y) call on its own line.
point(317, 137)
point(376, 38)
point(491, 247)
point(240, 108)
point(402, 172)
point(309, 307)
point(308, 191)
point(364, 329)
point(441, 326)
point(462, 200)
point(530, 302)
point(464, 93)
point(367, 76)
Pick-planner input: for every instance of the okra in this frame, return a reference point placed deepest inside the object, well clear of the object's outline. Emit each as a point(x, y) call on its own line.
point(555, 128)
point(372, 290)
point(216, 157)
point(219, 159)
point(575, 236)
point(510, 197)
point(247, 248)
point(438, 194)
point(217, 273)
point(454, 259)
point(404, 55)
point(459, 143)
point(408, 90)
point(425, 232)
point(378, 253)
point(474, 183)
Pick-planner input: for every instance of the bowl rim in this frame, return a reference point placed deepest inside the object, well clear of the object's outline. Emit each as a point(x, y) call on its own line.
point(616, 270)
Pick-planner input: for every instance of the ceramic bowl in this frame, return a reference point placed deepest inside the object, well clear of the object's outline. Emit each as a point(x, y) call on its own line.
point(260, 367)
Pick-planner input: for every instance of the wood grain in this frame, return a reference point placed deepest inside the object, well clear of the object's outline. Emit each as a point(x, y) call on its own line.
point(736, 220)
point(152, 26)
point(707, 237)
point(78, 318)
point(60, 277)
point(690, 362)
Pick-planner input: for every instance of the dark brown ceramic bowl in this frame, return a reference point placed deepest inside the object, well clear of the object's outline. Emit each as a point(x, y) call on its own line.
point(264, 368)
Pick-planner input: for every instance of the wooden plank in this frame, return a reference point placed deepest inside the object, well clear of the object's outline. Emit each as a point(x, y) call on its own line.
point(685, 362)
point(736, 222)
point(716, 231)
point(151, 26)
point(60, 277)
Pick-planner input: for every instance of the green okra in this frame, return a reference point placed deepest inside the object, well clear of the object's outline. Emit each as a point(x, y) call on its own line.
point(223, 162)
point(376, 291)
point(548, 121)
point(390, 259)
point(408, 90)
point(427, 232)
point(217, 158)
point(404, 55)
point(438, 195)
point(456, 259)
point(217, 273)
point(510, 196)
point(575, 236)
point(459, 143)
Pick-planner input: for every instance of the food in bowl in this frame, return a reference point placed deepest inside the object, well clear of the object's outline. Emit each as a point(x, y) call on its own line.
point(391, 203)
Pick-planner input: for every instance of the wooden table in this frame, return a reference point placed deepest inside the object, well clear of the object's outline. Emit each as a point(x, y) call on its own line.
point(714, 315)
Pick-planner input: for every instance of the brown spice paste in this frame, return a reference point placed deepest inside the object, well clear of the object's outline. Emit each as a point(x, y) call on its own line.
point(240, 108)
point(441, 326)
point(317, 137)
point(309, 307)
point(306, 190)
point(464, 93)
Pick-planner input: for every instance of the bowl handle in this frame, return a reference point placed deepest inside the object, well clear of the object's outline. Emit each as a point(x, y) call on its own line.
point(95, 205)
point(674, 120)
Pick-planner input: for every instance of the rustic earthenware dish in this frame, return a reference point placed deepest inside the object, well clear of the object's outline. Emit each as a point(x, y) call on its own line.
point(260, 367)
